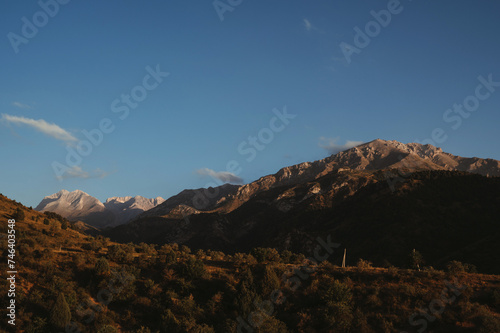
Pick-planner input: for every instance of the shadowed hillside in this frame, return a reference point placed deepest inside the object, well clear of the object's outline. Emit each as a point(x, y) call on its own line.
point(446, 215)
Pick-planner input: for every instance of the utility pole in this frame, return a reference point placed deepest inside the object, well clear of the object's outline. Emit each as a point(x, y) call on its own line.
point(343, 260)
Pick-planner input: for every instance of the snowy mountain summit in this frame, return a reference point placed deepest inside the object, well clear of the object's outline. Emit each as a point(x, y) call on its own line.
point(78, 205)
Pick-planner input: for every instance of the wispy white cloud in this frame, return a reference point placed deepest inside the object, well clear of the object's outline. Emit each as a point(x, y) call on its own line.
point(78, 172)
point(21, 105)
point(332, 146)
point(41, 125)
point(223, 176)
point(307, 24)
point(310, 27)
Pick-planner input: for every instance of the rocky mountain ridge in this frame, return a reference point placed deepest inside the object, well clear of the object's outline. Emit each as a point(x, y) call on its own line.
point(368, 157)
point(80, 206)
point(347, 195)
point(374, 155)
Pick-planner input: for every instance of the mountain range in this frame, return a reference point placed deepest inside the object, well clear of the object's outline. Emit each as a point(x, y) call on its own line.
point(79, 206)
point(380, 200)
point(378, 154)
point(59, 261)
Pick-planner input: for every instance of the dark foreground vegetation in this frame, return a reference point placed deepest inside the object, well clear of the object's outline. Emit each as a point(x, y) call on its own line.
point(71, 282)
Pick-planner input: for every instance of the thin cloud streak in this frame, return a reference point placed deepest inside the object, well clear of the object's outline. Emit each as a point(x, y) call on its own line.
point(223, 176)
point(307, 24)
point(310, 27)
point(41, 125)
point(331, 144)
point(21, 105)
point(78, 172)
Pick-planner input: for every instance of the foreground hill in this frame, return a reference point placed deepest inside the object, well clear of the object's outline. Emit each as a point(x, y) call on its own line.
point(69, 282)
point(79, 206)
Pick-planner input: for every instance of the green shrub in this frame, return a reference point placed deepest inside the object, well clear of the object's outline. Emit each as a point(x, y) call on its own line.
point(455, 267)
point(364, 264)
point(107, 329)
point(101, 267)
point(60, 315)
point(265, 254)
point(192, 268)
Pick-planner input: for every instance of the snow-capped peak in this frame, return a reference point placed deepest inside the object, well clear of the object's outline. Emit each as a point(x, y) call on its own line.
point(78, 205)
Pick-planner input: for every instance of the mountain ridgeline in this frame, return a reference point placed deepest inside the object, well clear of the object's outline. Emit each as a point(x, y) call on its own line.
point(79, 206)
point(378, 200)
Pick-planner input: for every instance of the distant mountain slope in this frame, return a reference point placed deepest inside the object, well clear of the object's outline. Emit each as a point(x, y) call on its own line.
point(127, 208)
point(193, 201)
point(446, 215)
point(381, 154)
point(375, 155)
point(79, 206)
point(340, 195)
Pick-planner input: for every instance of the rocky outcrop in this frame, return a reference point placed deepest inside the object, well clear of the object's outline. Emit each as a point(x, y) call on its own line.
point(202, 199)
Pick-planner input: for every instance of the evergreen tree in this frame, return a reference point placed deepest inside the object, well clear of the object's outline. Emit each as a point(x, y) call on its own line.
point(64, 225)
point(38, 325)
point(416, 259)
point(272, 325)
point(245, 293)
point(247, 277)
point(245, 298)
point(170, 323)
point(101, 267)
point(270, 282)
point(107, 329)
point(192, 268)
point(338, 306)
point(18, 215)
point(60, 314)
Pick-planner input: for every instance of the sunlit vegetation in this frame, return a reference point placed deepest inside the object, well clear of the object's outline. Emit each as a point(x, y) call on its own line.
point(91, 284)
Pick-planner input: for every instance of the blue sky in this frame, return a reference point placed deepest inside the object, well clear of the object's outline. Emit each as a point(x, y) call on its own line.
point(227, 81)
